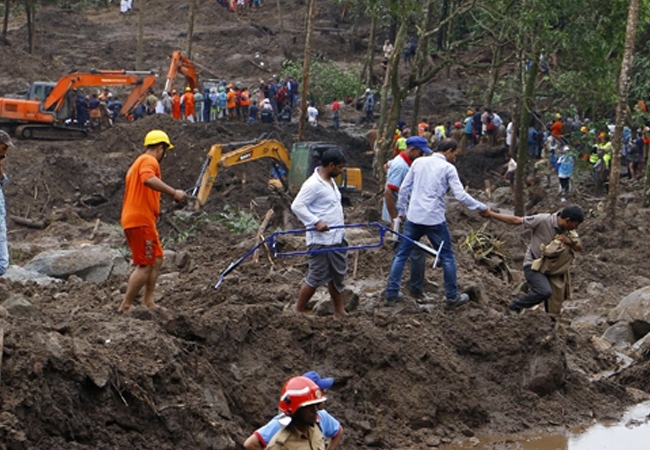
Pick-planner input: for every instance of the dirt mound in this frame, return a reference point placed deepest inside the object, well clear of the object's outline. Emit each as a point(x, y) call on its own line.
point(207, 372)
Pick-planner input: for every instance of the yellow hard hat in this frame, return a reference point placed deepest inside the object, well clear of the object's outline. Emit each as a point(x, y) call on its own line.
point(188, 89)
point(157, 137)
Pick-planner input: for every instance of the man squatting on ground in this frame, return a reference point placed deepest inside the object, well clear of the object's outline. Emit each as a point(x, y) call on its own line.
point(398, 167)
point(318, 205)
point(545, 228)
point(422, 202)
point(140, 210)
point(329, 426)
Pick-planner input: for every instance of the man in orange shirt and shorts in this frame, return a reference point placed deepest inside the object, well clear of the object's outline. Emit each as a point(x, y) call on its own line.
point(140, 210)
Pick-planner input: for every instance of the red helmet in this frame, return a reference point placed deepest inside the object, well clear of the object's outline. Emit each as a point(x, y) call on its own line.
point(299, 392)
point(456, 124)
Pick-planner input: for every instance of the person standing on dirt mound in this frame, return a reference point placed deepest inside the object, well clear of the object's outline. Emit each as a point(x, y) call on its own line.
point(422, 202)
point(548, 257)
point(398, 167)
point(140, 210)
point(5, 144)
point(330, 427)
point(318, 205)
point(300, 400)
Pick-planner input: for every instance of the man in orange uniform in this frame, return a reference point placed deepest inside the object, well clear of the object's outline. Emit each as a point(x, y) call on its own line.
point(140, 210)
point(188, 101)
point(176, 105)
point(231, 103)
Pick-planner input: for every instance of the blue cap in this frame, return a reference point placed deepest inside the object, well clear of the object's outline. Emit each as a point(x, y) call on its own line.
point(419, 142)
point(323, 383)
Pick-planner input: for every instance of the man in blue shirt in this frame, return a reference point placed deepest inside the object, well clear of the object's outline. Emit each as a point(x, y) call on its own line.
point(422, 202)
point(330, 427)
point(398, 167)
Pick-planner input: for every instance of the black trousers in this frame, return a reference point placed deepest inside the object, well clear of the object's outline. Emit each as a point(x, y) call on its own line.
point(540, 289)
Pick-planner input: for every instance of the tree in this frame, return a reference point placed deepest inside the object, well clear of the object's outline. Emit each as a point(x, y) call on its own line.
point(311, 12)
point(621, 106)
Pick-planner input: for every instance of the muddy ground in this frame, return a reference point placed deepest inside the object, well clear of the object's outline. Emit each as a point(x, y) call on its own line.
point(78, 375)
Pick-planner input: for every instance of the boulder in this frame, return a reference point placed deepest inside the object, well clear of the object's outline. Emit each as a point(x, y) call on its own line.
point(89, 262)
point(17, 273)
point(620, 334)
point(17, 305)
point(635, 310)
point(324, 306)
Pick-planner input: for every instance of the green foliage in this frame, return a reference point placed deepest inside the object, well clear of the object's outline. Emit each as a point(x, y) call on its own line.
point(238, 221)
point(185, 227)
point(326, 80)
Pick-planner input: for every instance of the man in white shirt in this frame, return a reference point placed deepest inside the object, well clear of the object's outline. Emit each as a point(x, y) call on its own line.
point(422, 202)
point(318, 205)
point(312, 115)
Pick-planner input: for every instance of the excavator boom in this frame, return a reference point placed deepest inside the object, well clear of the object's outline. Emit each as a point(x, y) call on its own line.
point(248, 151)
point(181, 64)
point(142, 82)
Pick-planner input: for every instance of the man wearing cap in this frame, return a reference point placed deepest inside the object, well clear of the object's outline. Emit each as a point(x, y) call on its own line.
point(140, 209)
point(330, 427)
point(422, 202)
point(5, 143)
point(398, 167)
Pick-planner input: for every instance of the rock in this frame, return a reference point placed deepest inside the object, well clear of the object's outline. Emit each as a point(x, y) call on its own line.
point(476, 292)
point(600, 344)
point(217, 400)
point(18, 306)
point(17, 273)
point(637, 395)
point(433, 441)
point(501, 194)
point(324, 306)
point(93, 263)
point(546, 373)
point(641, 346)
point(3, 312)
point(620, 334)
point(635, 310)
point(595, 289)
point(372, 440)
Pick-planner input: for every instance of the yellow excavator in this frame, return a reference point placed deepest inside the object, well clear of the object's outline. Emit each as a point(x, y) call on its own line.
point(291, 169)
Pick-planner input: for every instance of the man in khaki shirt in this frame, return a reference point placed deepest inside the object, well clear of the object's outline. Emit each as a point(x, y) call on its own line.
point(299, 401)
point(545, 228)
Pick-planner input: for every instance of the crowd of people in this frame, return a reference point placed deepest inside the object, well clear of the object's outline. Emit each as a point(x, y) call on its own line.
point(273, 101)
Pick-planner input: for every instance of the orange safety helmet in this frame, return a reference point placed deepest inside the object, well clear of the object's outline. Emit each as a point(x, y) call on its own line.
point(299, 392)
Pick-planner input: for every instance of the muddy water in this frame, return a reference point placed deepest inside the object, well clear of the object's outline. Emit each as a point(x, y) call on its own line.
point(632, 432)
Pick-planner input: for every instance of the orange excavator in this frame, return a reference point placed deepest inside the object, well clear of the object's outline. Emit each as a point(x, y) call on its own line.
point(43, 111)
point(181, 64)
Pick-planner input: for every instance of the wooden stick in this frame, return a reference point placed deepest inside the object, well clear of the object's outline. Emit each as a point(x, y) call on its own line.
point(259, 237)
point(355, 265)
point(95, 228)
point(30, 223)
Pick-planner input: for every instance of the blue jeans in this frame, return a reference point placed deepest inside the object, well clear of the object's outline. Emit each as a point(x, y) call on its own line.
point(418, 261)
point(436, 234)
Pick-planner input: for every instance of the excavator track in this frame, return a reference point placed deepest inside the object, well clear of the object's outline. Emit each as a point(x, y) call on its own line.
point(50, 133)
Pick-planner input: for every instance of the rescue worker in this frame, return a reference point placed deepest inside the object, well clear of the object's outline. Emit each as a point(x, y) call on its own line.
point(299, 401)
point(188, 102)
point(423, 127)
point(176, 105)
point(369, 106)
point(198, 105)
point(140, 210)
point(330, 427)
point(244, 103)
point(231, 103)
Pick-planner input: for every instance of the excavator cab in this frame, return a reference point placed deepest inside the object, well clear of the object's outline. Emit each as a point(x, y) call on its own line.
point(306, 156)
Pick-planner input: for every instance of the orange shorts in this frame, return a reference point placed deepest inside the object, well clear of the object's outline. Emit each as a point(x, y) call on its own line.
point(145, 245)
